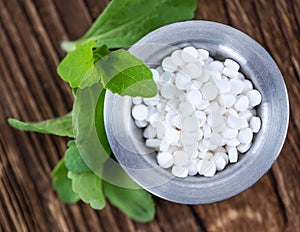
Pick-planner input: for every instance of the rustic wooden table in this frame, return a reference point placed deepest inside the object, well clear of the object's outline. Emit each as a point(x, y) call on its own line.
point(30, 36)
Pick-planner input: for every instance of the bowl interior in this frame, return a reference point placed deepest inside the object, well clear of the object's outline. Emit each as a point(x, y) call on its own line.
point(256, 64)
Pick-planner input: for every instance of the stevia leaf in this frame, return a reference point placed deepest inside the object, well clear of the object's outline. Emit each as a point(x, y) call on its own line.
point(61, 126)
point(77, 68)
point(100, 52)
point(73, 160)
point(99, 123)
point(91, 136)
point(136, 203)
point(89, 188)
point(62, 184)
point(74, 91)
point(124, 74)
point(90, 148)
point(119, 71)
point(124, 22)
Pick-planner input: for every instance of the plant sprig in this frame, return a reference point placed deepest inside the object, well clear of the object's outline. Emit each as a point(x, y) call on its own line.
point(90, 65)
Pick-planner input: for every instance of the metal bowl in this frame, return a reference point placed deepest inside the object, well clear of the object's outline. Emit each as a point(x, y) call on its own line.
point(222, 42)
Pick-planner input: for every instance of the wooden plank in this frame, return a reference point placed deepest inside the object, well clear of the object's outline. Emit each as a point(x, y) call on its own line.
point(211, 10)
point(33, 63)
point(30, 36)
point(75, 17)
point(244, 211)
point(23, 170)
point(95, 7)
point(175, 217)
point(50, 24)
point(281, 28)
point(239, 211)
point(28, 191)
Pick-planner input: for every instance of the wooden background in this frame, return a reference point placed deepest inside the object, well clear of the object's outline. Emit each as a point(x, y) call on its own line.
point(30, 36)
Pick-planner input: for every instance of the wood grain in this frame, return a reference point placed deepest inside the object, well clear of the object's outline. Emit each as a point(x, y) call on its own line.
point(30, 36)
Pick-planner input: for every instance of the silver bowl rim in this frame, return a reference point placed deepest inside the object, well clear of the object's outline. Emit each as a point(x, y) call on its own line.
point(209, 190)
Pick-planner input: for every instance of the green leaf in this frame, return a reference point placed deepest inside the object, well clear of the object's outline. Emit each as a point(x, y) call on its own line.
point(90, 148)
point(119, 71)
point(77, 68)
point(99, 123)
point(62, 184)
point(136, 203)
point(73, 160)
point(89, 126)
point(124, 22)
point(74, 91)
point(61, 126)
point(124, 74)
point(100, 52)
point(89, 188)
